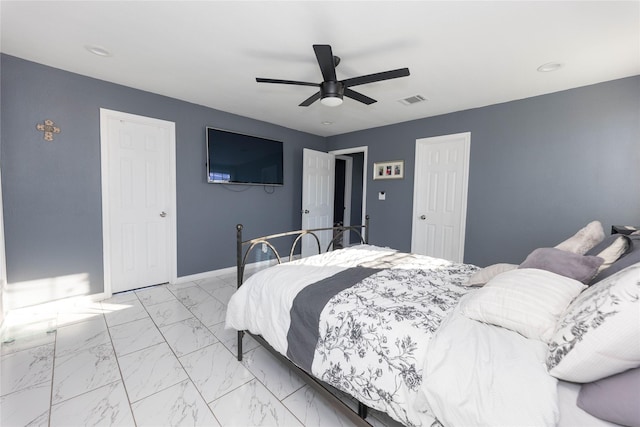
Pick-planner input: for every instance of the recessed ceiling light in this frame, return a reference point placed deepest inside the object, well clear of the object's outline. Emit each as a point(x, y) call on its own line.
point(327, 123)
point(550, 66)
point(97, 50)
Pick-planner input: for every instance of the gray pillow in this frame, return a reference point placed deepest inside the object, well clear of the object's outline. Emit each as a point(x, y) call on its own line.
point(614, 398)
point(631, 257)
point(578, 267)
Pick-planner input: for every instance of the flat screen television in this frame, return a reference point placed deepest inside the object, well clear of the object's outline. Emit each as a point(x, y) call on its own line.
point(236, 158)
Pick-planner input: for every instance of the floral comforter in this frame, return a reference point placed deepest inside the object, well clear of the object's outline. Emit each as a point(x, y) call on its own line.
point(372, 335)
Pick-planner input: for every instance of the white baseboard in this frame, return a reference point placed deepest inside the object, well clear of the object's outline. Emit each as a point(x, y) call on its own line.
point(249, 268)
point(206, 275)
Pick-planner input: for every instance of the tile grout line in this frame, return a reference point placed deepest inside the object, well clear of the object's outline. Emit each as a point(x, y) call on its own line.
point(227, 349)
point(245, 353)
point(180, 361)
point(255, 378)
point(124, 386)
point(82, 349)
point(53, 371)
point(178, 358)
point(269, 390)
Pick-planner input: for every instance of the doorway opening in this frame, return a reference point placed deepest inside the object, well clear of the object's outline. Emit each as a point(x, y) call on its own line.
point(350, 191)
point(318, 194)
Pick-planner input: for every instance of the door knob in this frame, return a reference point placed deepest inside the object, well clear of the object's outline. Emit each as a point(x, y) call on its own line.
point(163, 214)
point(423, 217)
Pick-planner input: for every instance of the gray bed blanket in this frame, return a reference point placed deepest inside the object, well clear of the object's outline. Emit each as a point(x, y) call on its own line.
point(305, 312)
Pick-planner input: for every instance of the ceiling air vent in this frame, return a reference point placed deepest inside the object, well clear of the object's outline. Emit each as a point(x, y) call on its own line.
point(412, 100)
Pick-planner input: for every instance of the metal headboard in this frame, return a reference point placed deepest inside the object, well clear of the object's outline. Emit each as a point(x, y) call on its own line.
point(338, 232)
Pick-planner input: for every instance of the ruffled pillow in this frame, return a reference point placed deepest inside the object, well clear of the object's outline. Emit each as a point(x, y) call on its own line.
point(598, 335)
point(631, 257)
point(586, 238)
point(610, 249)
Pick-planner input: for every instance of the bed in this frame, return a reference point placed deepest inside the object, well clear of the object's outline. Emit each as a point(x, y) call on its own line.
point(405, 334)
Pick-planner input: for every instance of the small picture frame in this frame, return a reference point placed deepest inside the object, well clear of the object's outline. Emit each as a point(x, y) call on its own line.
point(388, 170)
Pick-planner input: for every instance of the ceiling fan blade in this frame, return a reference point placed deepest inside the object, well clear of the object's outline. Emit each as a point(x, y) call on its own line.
point(376, 77)
point(285, 82)
point(326, 61)
point(358, 96)
point(313, 98)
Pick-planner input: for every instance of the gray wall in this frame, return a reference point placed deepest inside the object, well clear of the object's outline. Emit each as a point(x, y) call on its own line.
point(540, 169)
point(52, 190)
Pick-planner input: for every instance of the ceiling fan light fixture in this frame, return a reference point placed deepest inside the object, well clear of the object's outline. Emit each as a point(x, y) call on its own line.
point(331, 93)
point(331, 101)
point(332, 90)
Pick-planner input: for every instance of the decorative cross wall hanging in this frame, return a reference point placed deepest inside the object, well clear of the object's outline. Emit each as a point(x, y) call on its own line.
point(48, 128)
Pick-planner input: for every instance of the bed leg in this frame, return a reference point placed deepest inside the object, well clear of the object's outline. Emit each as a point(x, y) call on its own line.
point(240, 335)
point(362, 410)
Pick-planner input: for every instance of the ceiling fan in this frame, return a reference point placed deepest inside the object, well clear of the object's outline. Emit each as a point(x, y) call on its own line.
point(331, 90)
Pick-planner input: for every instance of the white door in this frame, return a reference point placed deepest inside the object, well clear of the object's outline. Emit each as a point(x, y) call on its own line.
point(318, 177)
point(440, 196)
point(138, 177)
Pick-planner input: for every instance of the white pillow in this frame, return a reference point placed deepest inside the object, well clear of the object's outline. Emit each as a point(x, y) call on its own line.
point(611, 253)
point(586, 238)
point(599, 334)
point(528, 301)
point(483, 275)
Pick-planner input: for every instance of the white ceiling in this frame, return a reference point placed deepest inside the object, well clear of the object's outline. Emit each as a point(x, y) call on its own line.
point(461, 55)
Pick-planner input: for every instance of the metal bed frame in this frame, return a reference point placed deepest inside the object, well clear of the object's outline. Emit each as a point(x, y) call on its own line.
point(359, 417)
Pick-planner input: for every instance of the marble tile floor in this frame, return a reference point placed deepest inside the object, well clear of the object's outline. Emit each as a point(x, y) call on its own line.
point(158, 356)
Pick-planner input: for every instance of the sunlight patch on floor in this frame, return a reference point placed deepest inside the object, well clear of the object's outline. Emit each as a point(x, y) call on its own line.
point(47, 318)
